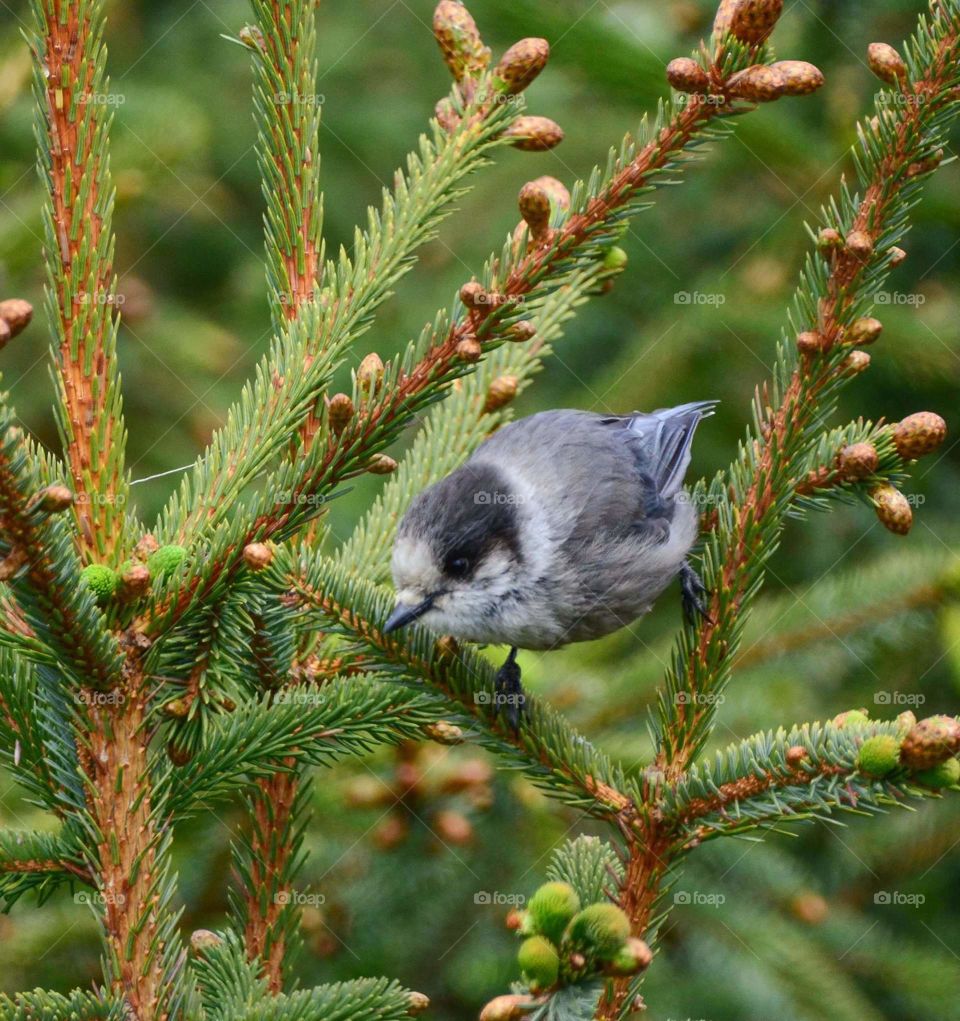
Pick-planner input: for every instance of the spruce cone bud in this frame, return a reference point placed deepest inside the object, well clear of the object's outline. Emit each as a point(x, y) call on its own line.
point(599, 931)
point(521, 64)
point(257, 555)
point(459, 39)
point(858, 460)
point(906, 720)
point(534, 205)
point(202, 940)
point(799, 78)
point(557, 191)
point(897, 255)
point(851, 718)
point(446, 115)
point(134, 580)
point(886, 63)
point(339, 412)
point(5, 333)
point(179, 755)
point(469, 350)
point(381, 464)
point(506, 1008)
point(893, 509)
point(177, 708)
point(453, 828)
point(147, 546)
point(539, 962)
point(551, 908)
point(635, 956)
point(879, 755)
point(857, 362)
point(534, 134)
point(444, 733)
point(947, 774)
point(749, 21)
point(524, 330)
point(252, 37)
point(446, 647)
point(828, 238)
point(55, 499)
point(795, 755)
point(686, 75)
point(919, 434)
point(418, 1004)
point(370, 372)
point(15, 313)
point(473, 295)
point(759, 84)
point(863, 331)
point(930, 742)
point(502, 391)
point(859, 244)
point(809, 342)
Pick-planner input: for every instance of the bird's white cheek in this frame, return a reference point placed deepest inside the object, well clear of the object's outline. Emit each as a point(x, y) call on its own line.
point(410, 596)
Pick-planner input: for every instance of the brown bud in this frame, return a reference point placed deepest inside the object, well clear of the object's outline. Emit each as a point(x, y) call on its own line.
point(863, 331)
point(893, 509)
point(148, 544)
point(453, 828)
point(444, 733)
point(810, 907)
point(459, 39)
point(919, 434)
point(5, 333)
point(202, 940)
point(391, 832)
point(686, 75)
point(370, 372)
point(16, 314)
point(381, 464)
point(418, 1003)
point(886, 63)
point(179, 755)
point(177, 708)
point(810, 342)
point(134, 581)
point(897, 255)
point(795, 755)
point(524, 330)
point(507, 1008)
point(860, 244)
point(858, 460)
point(257, 555)
point(55, 499)
point(534, 203)
point(521, 64)
point(446, 646)
point(469, 350)
point(473, 295)
point(906, 720)
point(799, 78)
point(446, 115)
point(828, 238)
point(857, 362)
point(925, 166)
point(930, 742)
point(750, 21)
point(557, 191)
point(501, 392)
point(534, 134)
point(251, 37)
point(515, 919)
point(472, 773)
point(635, 956)
point(758, 83)
point(339, 412)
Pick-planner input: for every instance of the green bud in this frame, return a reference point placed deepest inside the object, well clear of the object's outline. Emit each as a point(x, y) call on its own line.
point(851, 718)
point(600, 931)
point(879, 755)
point(165, 561)
point(944, 775)
point(615, 259)
point(551, 908)
point(101, 579)
point(539, 962)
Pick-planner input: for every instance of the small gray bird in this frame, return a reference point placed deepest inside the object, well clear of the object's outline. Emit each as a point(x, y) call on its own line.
point(562, 527)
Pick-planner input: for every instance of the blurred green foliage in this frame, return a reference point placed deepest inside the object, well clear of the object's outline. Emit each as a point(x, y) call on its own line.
point(856, 922)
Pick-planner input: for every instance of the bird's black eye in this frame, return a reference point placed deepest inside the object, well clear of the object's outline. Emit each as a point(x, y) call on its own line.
point(457, 567)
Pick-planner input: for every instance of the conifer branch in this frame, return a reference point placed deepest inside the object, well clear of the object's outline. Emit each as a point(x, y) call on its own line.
point(41, 1005)
point(38, 863)
point(74, 114)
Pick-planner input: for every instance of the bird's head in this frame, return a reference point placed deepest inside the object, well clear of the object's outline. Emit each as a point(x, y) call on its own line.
point(457, 553)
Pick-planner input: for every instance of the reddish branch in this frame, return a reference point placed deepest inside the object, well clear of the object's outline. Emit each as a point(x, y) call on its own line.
point(82, 265)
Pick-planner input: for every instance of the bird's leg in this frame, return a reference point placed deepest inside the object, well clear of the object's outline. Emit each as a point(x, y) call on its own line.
point(508, 692)
point(692, 592)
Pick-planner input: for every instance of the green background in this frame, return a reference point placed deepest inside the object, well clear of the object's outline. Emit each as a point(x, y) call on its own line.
point(796, 927)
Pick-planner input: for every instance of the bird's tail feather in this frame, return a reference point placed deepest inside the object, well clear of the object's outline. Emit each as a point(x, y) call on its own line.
point(666, 436)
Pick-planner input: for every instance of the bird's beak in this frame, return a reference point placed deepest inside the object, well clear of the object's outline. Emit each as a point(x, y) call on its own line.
point(403, 614)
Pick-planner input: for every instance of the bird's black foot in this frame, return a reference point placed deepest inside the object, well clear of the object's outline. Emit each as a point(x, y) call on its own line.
point(508, 692)
point(692, 593)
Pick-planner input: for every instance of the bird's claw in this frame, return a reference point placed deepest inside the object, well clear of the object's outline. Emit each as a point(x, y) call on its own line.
point(692, 591)
point(508, 692)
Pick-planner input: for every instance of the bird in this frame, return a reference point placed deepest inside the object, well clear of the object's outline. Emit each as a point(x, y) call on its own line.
point(563, 526)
